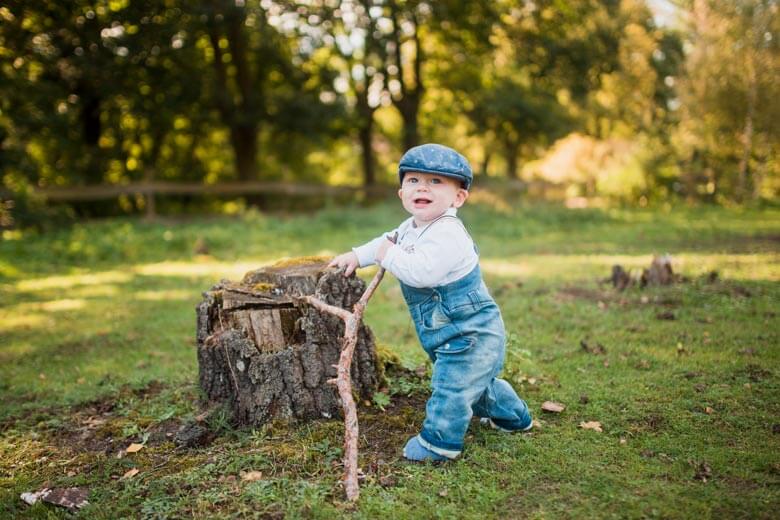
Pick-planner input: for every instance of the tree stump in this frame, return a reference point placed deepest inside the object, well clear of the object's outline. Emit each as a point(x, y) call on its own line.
point(266, 354)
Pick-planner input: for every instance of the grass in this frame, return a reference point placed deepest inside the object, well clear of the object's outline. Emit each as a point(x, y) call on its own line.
point(97, 351)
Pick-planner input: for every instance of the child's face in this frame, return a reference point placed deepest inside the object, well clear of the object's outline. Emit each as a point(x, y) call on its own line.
point(427, 196)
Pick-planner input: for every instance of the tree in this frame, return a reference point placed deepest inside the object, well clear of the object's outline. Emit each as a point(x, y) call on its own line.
point(728, 136)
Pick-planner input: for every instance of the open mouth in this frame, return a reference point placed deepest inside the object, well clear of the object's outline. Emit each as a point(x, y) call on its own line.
point(422, 201)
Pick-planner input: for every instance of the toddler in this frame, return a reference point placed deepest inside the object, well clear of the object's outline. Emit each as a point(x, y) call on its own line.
point(458, 323)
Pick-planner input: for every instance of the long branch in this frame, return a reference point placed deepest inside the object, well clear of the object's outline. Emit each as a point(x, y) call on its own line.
point(343, 381)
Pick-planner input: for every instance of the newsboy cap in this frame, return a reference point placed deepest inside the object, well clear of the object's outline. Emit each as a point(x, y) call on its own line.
point(436, 159)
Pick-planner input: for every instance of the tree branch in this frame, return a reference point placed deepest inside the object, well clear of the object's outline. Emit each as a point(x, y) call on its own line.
point(343, 381)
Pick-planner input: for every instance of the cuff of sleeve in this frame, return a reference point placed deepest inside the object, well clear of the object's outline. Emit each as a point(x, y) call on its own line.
point(365, 255)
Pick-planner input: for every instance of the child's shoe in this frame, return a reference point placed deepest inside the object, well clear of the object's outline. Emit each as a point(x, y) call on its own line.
point(487, 421)
point(417, 452)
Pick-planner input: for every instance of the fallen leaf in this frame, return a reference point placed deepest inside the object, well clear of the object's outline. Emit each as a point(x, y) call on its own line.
point(72, 499)
point(537, 424)
point(623, 441)
point(708, 410)
point(550, 406)
point(251, 476)
point(134, 447)
point(31, 498)
point(387, 481)
point(591, 425)
point(129, 474)
point(597, 349)
point(703, 472)
point(444, 492)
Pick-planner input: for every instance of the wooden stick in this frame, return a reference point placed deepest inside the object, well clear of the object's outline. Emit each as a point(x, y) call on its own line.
point(344, 382)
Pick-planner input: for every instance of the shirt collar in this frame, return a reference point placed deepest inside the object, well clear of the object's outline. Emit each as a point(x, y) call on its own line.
point(451, 212)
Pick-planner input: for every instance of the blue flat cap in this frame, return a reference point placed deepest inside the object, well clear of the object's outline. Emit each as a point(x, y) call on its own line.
point(437, 159)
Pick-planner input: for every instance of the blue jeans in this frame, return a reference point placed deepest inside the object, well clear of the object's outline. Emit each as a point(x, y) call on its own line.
point(460, 328)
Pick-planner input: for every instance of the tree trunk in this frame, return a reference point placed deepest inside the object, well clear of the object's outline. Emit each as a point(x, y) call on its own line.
point(243, 137)
point(510, 154)
point(747, 135)
point(409, 108)
point(366, 133)
point(367, 153)
point(265, 354)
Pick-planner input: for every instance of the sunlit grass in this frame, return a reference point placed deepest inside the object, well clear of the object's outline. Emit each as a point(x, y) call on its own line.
point(98, 310)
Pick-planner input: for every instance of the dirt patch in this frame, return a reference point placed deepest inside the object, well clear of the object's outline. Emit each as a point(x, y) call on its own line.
point(581, 293)
point(386, 432)
point(649, 423)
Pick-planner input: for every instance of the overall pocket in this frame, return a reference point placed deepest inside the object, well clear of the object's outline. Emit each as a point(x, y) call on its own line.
point(467, 307)
point(430, 316)
point(458, 345)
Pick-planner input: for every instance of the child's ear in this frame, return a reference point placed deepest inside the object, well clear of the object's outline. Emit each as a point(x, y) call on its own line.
point(400, 193)
point(460, 198)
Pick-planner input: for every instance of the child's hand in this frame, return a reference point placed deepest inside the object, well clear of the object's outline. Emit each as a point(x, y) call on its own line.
point(349, 261)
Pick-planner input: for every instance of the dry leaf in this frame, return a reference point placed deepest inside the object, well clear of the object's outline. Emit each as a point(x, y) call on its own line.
point(134, 447)
point(708, 410)
point(591, 425)
point(31, 498)
point(444, 492)
point(550, 406)
point(72, 499)
point(251, 476)
point(703, 472)
point(130, 474)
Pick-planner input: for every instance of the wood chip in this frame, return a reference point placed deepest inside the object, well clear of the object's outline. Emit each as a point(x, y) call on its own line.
point(134, 447)
point(251, 476)
point(591, 425)
point(130, 474)
point(551, 406)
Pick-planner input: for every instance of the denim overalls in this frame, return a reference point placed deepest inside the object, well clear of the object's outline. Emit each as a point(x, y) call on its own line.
point(460, 328)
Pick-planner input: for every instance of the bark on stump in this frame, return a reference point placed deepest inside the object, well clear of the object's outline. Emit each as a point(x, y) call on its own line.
point(268, 355)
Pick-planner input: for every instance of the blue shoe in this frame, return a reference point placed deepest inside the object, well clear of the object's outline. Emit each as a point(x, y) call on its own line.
point(417, 452)
point(487, 421)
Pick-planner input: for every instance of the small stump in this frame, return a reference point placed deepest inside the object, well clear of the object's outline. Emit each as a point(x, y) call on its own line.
point(267, 355)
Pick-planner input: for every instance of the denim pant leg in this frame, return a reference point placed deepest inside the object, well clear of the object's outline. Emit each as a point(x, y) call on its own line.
point(462, 371)
point(502, 405)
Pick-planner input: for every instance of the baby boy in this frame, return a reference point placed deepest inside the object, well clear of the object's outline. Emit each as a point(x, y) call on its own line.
point(457, 322)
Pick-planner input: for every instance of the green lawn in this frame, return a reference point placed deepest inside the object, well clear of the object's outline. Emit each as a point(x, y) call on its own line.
point(97, 351)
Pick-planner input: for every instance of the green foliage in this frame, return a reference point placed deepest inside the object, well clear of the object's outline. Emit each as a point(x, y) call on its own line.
point(111, 93)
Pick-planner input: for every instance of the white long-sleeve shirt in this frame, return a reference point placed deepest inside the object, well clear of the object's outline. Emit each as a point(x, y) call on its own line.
point(428, 256)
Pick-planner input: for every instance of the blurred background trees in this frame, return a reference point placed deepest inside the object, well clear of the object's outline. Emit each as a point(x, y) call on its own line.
point(609, 100)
